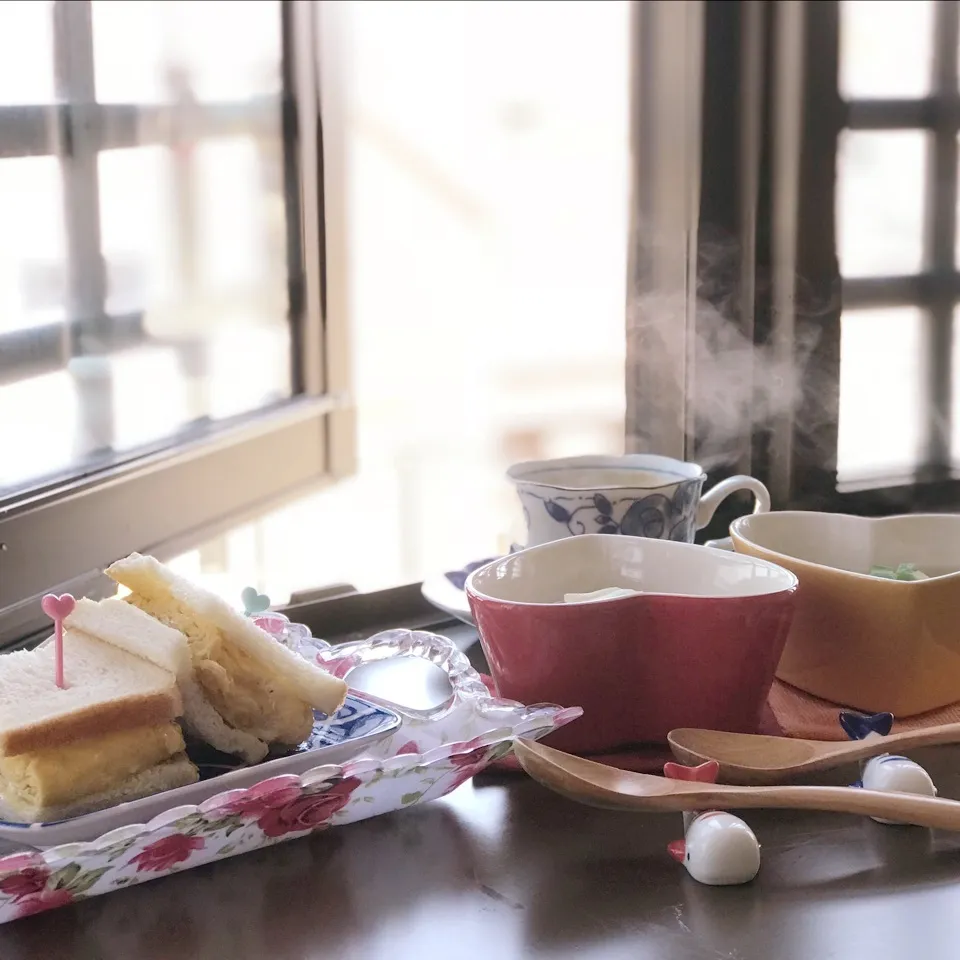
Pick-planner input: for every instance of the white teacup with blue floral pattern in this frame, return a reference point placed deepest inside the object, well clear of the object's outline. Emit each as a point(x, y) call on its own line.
point(640, 495)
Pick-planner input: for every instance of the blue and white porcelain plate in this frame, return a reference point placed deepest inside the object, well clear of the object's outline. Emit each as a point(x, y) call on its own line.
point(353, 729)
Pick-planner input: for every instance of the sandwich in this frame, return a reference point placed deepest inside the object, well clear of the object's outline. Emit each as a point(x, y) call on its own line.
point(243, 691)
point(109, 736)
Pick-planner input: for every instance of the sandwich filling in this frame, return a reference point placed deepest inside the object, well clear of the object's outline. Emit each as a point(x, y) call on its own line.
point(67, 773)
point(247, 696)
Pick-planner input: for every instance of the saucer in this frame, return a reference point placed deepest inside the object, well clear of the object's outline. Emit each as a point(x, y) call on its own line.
point(445, 590)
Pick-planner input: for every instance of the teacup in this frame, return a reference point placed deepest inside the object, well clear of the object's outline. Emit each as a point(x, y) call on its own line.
point(640, 495)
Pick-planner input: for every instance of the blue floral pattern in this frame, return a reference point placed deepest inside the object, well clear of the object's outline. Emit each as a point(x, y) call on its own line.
point(661, 516)
point(459, 577)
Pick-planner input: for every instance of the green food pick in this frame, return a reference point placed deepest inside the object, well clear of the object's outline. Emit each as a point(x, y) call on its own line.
point(254, 602)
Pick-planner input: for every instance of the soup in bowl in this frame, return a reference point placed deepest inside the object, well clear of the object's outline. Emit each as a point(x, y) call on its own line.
point(645, 635)
point(877, 625)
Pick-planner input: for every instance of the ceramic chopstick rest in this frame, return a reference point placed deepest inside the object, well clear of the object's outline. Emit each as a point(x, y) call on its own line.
point(717, 848)
point(887, 772)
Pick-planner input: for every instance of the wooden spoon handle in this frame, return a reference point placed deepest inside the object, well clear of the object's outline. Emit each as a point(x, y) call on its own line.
point(900, 807)
point(828, 754)
point(930, 737)
point(600, 786)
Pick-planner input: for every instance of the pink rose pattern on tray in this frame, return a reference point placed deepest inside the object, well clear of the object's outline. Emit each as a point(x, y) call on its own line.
point(165, 854)
point(35, 888)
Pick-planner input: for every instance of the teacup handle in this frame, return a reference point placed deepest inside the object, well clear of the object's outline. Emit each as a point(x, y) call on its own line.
point(465, 682)
point(713, 498)
point(724, 544)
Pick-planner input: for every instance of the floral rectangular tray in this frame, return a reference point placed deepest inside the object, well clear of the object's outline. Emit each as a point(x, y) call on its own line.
point(430, 754)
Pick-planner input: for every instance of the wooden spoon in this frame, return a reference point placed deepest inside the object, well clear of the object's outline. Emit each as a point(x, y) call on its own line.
point(600, 786)
point(750, 759)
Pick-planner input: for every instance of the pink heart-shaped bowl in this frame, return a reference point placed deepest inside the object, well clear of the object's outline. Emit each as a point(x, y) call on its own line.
point(696, 646)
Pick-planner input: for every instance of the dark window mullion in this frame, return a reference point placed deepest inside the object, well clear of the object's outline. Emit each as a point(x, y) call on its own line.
point(87, 323)
point(918, 289)
point(927, 113)
point(25, 130)
point(940, 228)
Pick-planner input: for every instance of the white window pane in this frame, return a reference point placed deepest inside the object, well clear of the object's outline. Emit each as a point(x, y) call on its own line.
point(956, 252)
point(129, 42)
point(33, 273)
point(881, 178)
point(26, 52)
point(139, 227)
point(882, 408)
point(886, 48)
point(248, 65)
point(33, 416)
point(196, 239)
point(235, 216)
point(224, 51)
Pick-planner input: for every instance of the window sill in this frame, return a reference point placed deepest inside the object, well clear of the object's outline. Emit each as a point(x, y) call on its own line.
point(340, 614)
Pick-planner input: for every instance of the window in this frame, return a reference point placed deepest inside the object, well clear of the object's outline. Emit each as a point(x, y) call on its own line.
point(815, 344)
point(163, 368)
point(474, 261)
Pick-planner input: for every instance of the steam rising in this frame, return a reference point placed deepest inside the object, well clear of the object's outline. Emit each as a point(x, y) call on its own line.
point(741, 379)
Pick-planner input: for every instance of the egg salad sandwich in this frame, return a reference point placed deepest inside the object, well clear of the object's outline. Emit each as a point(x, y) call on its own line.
point(109, 736)
point(243, 691)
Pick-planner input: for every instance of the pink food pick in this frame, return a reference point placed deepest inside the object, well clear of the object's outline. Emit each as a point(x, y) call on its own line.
point(58, 609)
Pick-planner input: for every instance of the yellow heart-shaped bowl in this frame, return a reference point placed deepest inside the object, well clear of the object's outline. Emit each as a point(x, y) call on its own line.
point(859, 640)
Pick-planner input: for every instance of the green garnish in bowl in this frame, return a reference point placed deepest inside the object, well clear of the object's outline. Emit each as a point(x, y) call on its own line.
point(906, 571)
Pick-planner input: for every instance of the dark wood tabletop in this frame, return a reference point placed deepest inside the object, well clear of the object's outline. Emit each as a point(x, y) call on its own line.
point(503, 868)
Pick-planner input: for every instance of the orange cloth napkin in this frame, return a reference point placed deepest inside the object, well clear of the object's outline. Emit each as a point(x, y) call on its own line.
point(801, 715)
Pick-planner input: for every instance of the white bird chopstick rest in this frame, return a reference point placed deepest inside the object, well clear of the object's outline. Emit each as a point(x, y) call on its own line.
point(888, 772)
point(717, 848)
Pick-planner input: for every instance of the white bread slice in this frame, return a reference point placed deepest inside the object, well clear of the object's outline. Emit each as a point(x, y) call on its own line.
point(129, 628)
point(107, 689)
point(315, 686)
point(178, 771)
point(201, 719)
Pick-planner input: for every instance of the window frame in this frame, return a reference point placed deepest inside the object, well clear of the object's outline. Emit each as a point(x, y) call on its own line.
point(210, 477)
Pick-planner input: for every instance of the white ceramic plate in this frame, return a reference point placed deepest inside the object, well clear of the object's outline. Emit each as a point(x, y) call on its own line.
point(354, 729)
point(445, 590)
point(445, 596)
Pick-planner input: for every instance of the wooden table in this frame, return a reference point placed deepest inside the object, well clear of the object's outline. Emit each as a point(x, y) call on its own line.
point(505, 869)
